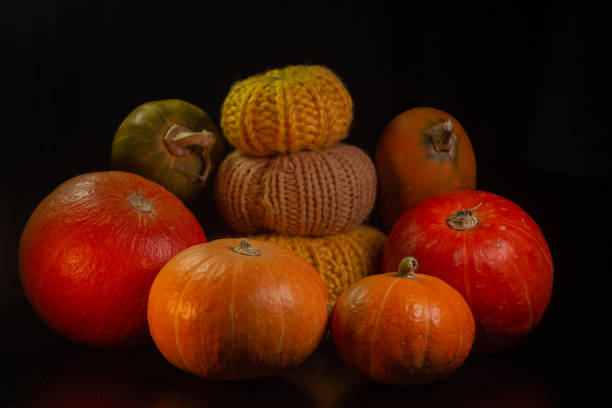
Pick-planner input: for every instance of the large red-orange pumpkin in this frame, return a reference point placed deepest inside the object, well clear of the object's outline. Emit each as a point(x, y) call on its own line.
point(402, 327)
point(487, 248)
point(421, 153)
point(235, 309)
point(90, 250)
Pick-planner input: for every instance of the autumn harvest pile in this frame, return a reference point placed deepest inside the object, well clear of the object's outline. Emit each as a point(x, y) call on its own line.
point(116, 258)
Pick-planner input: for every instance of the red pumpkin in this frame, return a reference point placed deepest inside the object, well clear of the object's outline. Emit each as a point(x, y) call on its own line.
point(487, 248)
point(421, 153)
point(231, 309)
point(90, 251)
point(402, 327)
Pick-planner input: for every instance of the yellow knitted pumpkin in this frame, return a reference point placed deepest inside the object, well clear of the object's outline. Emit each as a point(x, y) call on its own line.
point(340, 259)
point(299, 107)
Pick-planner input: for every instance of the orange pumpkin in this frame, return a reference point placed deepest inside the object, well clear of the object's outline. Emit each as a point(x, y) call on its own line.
point(421, 153)
point(402, 328)
point(231, 310)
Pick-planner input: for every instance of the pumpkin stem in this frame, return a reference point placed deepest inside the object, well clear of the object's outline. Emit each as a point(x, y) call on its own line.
point(463, 220)
point(407, 268)
point(179, 138)
point(245, 248)
point(140, 203)
point(442, 136)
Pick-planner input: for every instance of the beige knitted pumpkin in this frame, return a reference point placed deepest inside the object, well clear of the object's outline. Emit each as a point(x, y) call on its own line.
point(340, 259)
point(314, 193)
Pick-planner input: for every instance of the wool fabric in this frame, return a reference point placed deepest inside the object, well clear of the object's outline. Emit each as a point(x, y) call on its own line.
point(299, 107)
point(313, 193)
point(340, 259)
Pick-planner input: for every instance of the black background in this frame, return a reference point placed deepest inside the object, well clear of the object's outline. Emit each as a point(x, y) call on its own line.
point(528, 83)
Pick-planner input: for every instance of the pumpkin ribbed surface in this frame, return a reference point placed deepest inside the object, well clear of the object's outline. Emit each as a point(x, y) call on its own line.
point(235, 309)
point(340, 259)
point(299, 107)
point(402, 328)
point(315, 193)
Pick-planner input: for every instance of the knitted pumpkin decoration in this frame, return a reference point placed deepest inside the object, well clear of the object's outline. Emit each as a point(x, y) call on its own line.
point(340, 259)
point(315, 193)
point(299, 107)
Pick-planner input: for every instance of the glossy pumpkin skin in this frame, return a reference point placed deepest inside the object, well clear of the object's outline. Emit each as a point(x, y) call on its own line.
point(88, 257)
point(502, 266)
point(225, 315)
point(138, 146)
point(409, 167)
point(402, 330)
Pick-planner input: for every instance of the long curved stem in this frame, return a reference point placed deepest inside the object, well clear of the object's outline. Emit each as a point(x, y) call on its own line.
point(178, 140)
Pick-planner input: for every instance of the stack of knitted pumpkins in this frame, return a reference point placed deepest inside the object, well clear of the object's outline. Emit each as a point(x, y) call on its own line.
point(291, 180)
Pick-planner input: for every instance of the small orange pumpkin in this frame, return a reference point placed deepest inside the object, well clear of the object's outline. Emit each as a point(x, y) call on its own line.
point(402, 328)
point(234, 309)
point(421, 153)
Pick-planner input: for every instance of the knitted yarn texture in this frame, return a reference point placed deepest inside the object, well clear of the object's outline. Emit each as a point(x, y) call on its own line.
point(340, 259)
point(314, 193)
point(299, 107)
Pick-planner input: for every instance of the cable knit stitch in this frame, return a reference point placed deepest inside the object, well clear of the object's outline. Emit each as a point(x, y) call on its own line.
point(340, 259)
point(311, 193)
point(299, 107)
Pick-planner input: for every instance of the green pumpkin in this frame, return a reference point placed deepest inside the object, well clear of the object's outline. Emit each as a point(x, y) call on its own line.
point(171, 142)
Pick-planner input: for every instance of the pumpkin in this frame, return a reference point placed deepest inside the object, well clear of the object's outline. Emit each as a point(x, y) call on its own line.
point(235, 309)
point(421, 153)
point(487, 248)
point(402, 327)
point(340, 259)
point(171, 142)
point(298, 107)
point(90, 250)
point(316, 193)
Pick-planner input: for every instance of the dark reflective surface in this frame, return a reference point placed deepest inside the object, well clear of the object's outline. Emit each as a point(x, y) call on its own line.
point(69, 376)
